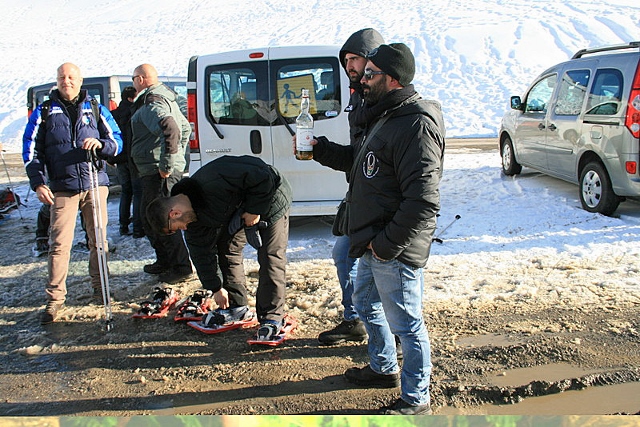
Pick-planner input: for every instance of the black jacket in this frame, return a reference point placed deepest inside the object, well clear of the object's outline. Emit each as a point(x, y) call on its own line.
point(394, 198)
point(216, 191)
point(122, 115)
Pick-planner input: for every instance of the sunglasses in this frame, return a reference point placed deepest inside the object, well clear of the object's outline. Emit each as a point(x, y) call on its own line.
point(170, 231)
point(133, 79)
point(368, 74)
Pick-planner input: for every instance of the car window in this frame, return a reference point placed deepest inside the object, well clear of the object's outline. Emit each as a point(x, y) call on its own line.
point(571, 93)
point(238, 94)
point(606, 92)
point(321, 76)
point(540, 94)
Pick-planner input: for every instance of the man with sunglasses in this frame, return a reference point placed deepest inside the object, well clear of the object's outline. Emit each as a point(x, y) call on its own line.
point(160, 135)
point(204, 205)
point(395, 173)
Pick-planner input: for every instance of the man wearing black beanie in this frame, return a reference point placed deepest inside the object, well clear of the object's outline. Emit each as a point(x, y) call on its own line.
point(395, 171)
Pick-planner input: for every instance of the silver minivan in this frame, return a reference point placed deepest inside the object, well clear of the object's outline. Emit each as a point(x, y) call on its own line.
point(580, 121)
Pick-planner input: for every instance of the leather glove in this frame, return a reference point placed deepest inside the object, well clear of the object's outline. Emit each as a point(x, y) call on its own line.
point(236, 223)
point(253, 234)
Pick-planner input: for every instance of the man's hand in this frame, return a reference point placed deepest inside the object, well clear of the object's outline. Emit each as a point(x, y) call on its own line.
point(221, 298)
point(44, 194)
point(370, 247)
point(91, 144)
point(164, 174)
point(250, 219)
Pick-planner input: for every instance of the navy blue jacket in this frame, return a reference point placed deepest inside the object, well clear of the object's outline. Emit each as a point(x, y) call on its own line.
point(56, 146)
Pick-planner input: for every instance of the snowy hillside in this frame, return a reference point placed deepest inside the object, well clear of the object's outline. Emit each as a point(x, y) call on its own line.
point(471, 56)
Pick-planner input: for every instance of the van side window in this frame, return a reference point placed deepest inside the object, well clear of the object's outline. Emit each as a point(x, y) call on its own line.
point(606, 92)
point(572, 92)
point(238, 94)
point(540, 95)
point(320, 75)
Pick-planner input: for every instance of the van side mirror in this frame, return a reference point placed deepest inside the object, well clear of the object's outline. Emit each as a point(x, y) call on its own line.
point(516, 103)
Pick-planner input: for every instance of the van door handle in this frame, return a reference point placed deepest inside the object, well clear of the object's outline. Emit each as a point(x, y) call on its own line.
point(552, 127)
point(541, 126)
point(255, 141)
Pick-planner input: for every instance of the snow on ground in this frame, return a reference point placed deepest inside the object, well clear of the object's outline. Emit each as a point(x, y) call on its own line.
point(471, 56)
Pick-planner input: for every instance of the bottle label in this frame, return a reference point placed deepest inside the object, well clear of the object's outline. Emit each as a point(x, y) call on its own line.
point(303, 139)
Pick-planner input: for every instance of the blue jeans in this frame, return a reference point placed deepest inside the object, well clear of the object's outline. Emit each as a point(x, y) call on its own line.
point(346, 268)
point(388, 298)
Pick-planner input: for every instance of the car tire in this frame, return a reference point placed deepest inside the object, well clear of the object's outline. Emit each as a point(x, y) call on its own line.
point(509, 164)
point(596, 192)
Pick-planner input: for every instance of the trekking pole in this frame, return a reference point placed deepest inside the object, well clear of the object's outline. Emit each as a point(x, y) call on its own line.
point(17, 198)
point(437, 236)
point(96, 206)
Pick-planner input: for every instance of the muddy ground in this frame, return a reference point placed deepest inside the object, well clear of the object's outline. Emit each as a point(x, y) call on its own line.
point(74, 367)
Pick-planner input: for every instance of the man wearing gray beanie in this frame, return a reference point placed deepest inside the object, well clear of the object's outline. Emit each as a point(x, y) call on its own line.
point(394, 175)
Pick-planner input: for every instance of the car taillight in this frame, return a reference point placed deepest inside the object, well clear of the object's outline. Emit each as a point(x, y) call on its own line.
point(192, 109)
point(632, 121)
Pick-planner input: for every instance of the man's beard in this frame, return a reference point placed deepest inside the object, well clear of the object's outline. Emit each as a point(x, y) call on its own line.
point(373, 93)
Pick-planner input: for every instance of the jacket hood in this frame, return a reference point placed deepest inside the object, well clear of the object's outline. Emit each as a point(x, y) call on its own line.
point(361, 43)
point(160, 89)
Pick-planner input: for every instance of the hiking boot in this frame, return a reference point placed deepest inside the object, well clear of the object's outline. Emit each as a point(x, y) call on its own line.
point(348, 330)
point(138, 234)
point(154, 268)
point(400, 407)
point(124, 230)
point(220, 317)
point(51, 312)
point(41, 247)
point(368, 378)
point(175, 276)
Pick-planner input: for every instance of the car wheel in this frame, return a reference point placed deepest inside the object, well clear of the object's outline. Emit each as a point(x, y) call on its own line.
point(596, 193)
point(509, 164)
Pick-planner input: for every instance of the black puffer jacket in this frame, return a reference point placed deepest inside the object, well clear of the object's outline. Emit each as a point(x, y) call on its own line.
point(216, 191)
point(395, 195)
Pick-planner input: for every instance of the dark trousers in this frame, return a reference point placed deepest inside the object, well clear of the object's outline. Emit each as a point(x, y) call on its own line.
point(171, 251)
point(272, 257)
point(131, 194)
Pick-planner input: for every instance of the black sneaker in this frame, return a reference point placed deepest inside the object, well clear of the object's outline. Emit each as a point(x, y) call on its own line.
point(348, 330)
point(138, 234)
point(400, 407)
point(124, 230)
point(41, 247)
point(175, 276)
point(154, 268)
point(368, 378)
point(51, 312)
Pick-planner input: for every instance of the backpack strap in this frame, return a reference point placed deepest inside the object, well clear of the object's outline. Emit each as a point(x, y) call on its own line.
point(95, 108)
point(44, 110)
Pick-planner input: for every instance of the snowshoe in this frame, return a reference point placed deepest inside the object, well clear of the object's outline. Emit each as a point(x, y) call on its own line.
point(217, 321)
point(268, 335)
point(195, 306)
point(41, 247)
point(160, 304)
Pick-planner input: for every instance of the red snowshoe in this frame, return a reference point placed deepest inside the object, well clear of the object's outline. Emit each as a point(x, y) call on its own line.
point(196, 306)
point(162, 301)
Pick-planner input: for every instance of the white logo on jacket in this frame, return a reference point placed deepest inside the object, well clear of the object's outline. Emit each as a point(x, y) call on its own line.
point(370, 165)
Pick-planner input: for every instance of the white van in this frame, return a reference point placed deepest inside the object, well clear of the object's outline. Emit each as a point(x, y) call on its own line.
point(246, 102)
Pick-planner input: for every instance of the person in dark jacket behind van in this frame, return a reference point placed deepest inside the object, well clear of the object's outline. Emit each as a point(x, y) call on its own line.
point(126, 172)
point(60, 144)
point(395, 172)
point(353, 60)
point(204, 206)
point(158, 147)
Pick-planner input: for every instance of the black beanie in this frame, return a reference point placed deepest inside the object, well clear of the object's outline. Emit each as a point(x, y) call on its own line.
point(396, 60)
